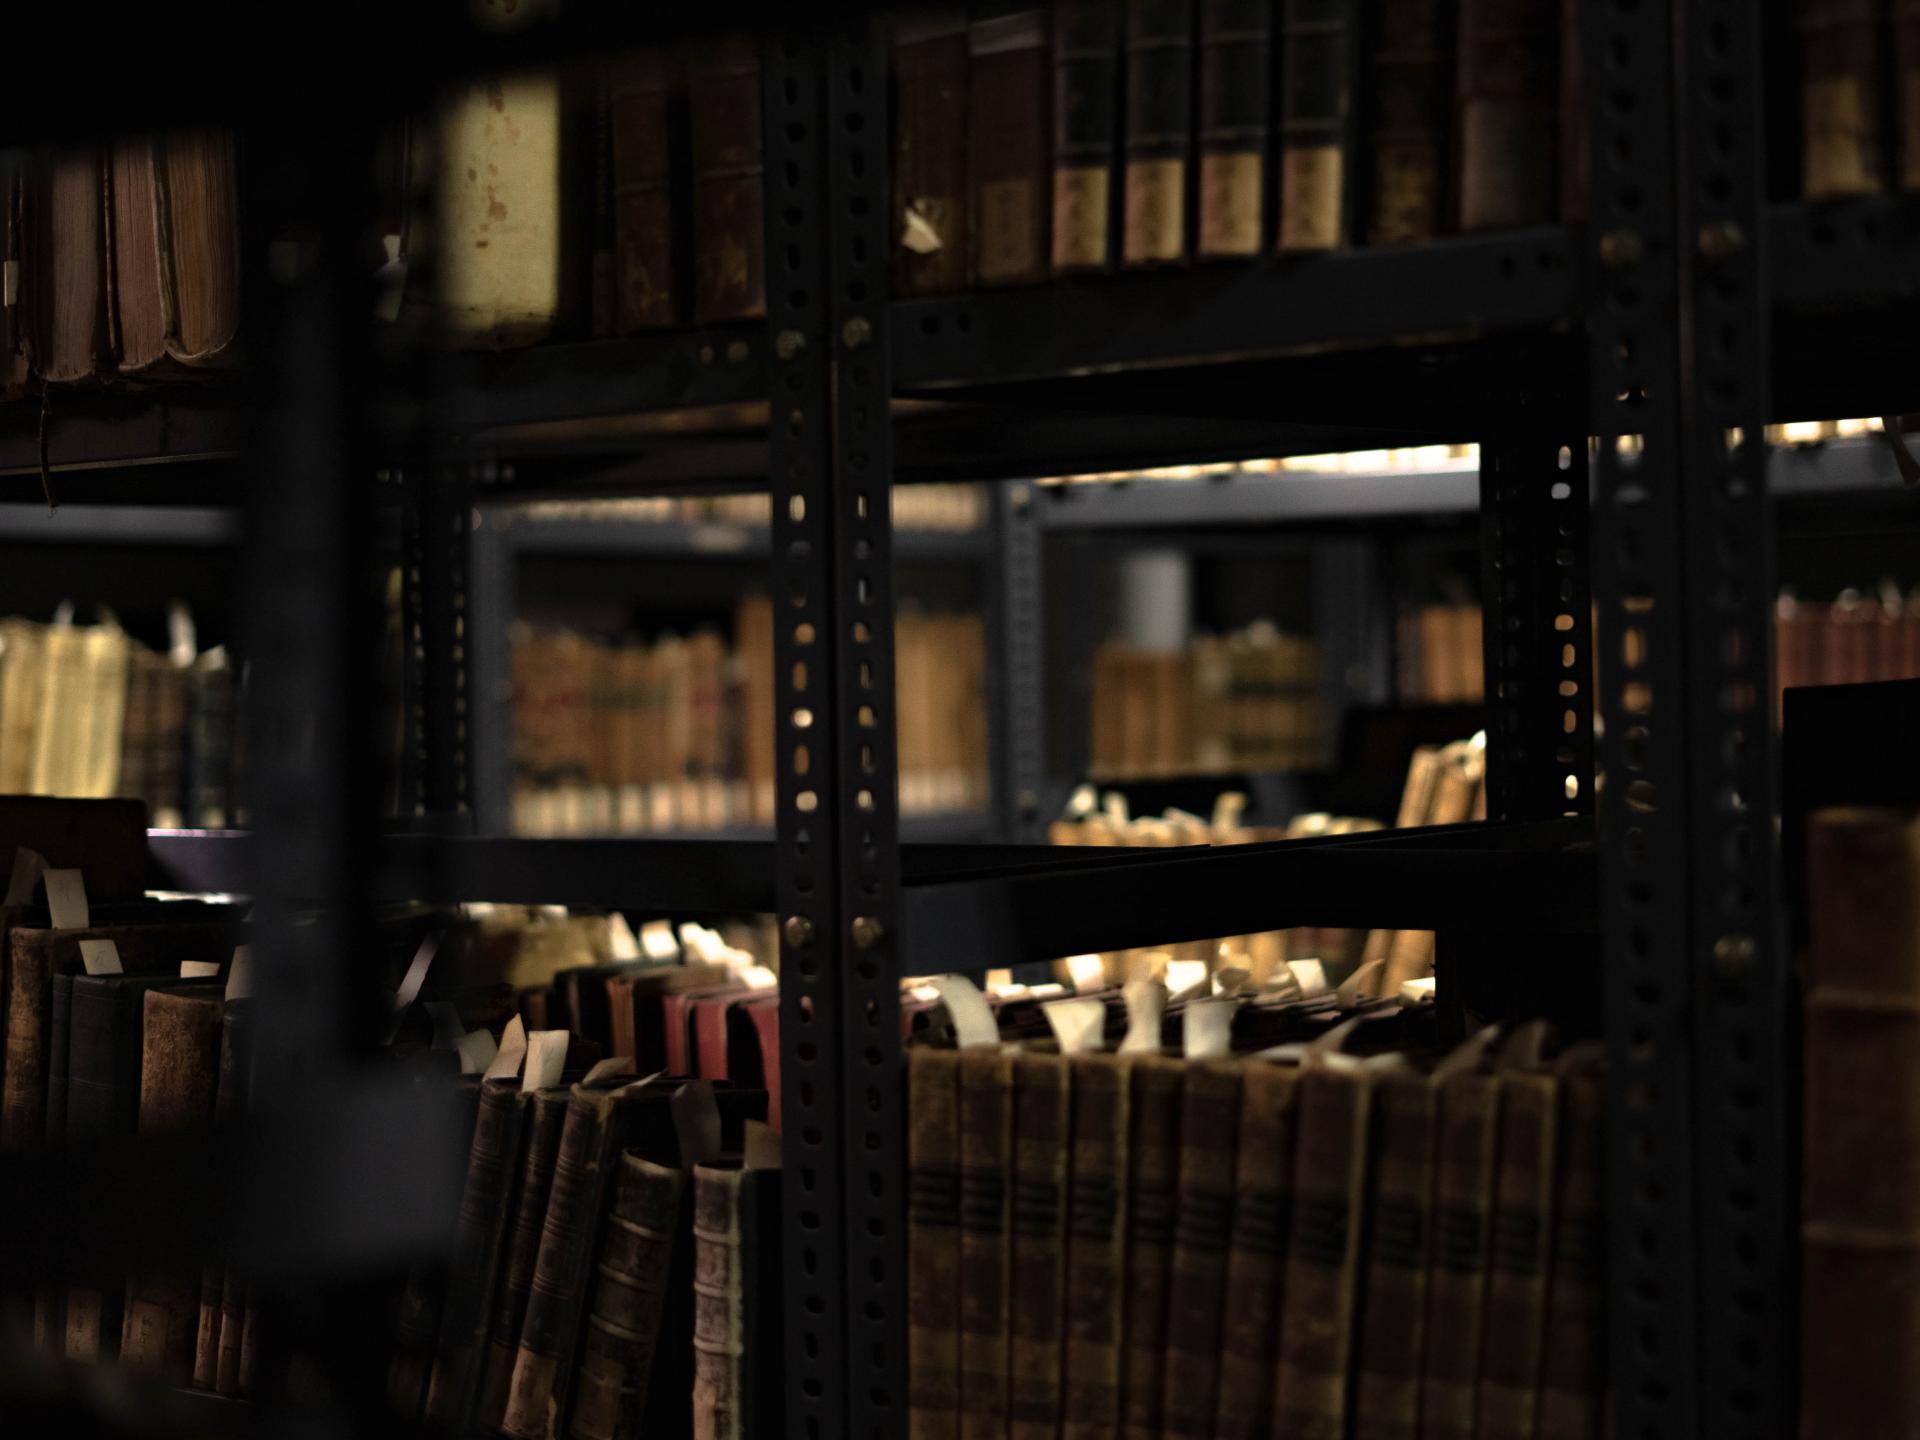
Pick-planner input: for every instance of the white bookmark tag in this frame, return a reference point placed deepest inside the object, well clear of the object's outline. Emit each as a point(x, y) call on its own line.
point(1188, 979)
point(101, 957)
point(477, 1052)
point(416, 975)
point(1206, 1029)
point(1312, 976)
point(67, 900)
point(546, 1058)
point(973, 1022)
point(240, 973)
point(513, 1050)
point(762, 1147)
point(1146, 1005)
point(1078, 1024)
point(197, 969)
point(657, 942)
point(620, 942)
point(1088, 972)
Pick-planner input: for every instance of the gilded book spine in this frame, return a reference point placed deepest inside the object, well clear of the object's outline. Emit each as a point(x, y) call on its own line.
point(729, 218)
point(1236, 65)
point(736, 1290)
point(1407, 65)
point(1506, 111)
point(1159, 134)
point(1086, 131)
point(986, 1136)
point(1316, 126)
point(1096, 1248)
point(1463, 1202)
point(1007, 147)
point(643, 262)
point(1571, 1371)
point(544, 1124)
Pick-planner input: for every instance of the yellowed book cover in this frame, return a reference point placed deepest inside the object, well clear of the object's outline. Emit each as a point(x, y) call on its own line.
point(23, 671)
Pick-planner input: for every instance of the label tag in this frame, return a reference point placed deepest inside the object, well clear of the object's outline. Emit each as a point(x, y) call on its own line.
point(477, 1052)
point(67, 900)
point(657, 942)
point(193, 969)
point(101, 957)
point(620, 942)
point(546, 1058)
point(614, 1067)
point(1206, 1030)
point(761, 1150)
point(1146, 1004)
point(513, 1050)
point(416, 975)
point(1312, 976)
point(973, 1022)
point(1188, 979)
point(1078, 1024)
point(240, 973)
point(1088, 972)
point(28, 867)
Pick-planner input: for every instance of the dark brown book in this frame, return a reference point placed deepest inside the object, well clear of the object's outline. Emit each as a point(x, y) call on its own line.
point(1506, 113)
point(1153, 1181)
point(199, 237)
point(738, 1337)
point(229, 1102)
point(1408, 97)
point(930, 194)
point(67, 263)
point(1256, 1254)
point(1906, 92)
point(643, 266)
point(546, 1116)
point(1036, 1268)
point(1096, 1247)
point(1323, 1252)
point(416, 1326)
point(985, 1091)
point(59, 1038)
point(1086, 132)
point(1316, 123)
point(1196, 1292)
point(1009, 167)
point(1393, 1309)
point(1860, 1166)
point(629, 1300)
point(729, 225)
point(1236, 66)
point(139, 311)
point(1462, 1209)
point(1573, 1369)
point(1158, 138)
point(1843, 127)
point(933, 1241)
point(1519, 1256)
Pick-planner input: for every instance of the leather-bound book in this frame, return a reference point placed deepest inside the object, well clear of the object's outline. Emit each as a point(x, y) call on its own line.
point(59, 1032)
point(738, 1338)
point(1572, 1371)
point(933, 1241)
point(642, 159)
point(1256, 1253)
point(1153, 1183)
point(1323, 1252)
point(1506, 112)
point(1906, 92)
point(473, 1270)
point(1086, 132)
point(217, 1281)
point(1041, 1131)
point(1158, 138)
point(1860, 1164)
point(1196, 1290)
point(1408, 101)
point(416, 1325)
point(198, 234)
point(67, 265)
point(1844, 145)
point(1236, 66)
point(105, 1029)
point(1393, 1310)
point(1316, 123)
point(1096, 1247)
point(629, 1299)
point(1522, 1231)
point(930, 194)
point(985, 1101)
point(546, 1115)
point(139, 313)
point(1007, 155)
point(729, 225)
point(1462, 1209)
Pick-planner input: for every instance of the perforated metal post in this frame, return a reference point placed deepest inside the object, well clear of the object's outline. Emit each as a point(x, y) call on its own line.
point(436, 542)
point(1015, 679)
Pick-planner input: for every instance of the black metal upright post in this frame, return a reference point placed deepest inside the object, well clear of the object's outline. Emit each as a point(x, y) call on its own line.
point(1016, 683)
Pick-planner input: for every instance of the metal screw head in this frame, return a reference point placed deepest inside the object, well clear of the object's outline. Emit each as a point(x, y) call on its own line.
point(856, 332)
point(1733, 956)
point(799, 931)
point(866, 932)
point(1721, 239)
point(1621, 248)
point(789, 343)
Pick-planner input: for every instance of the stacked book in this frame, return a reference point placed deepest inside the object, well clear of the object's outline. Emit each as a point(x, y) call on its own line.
point(1439, 657)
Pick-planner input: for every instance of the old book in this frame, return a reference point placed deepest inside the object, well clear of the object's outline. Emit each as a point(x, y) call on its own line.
point(1386, 1395)
point(1572, 1370)
point(209, 777)
point(930, 195)
point(1407, 96)
point(1158, 137)
point(729, 216)
point(1256, 1254)
point(107, 1016)
point(1906, 92)
point(1086, 132)
point(546, 1115)
point(1860, 1204)
point(1095, 1285)
point(63, 733)
point(933, 1241)
point(416, 1321)
point(1008, 165)
point(66, 263)
point(1843, 129)
point(737, 1331)
point(136, 727)
point(1506, 112)
point(23, 651)
point(1037, 1257)
point(197, 232)
point(233, 1314)
point(642, 161)
point(629, 1299)
point(139, 310)
point(1236, 65)
point(985, 1109)
point(1317, 58)
point(1153, 1180)
point(230, 1100)
point(1519, 1255)
point(1465, 1120)
point(1196, 1290)
point(1460, 779)
point(59, 1008)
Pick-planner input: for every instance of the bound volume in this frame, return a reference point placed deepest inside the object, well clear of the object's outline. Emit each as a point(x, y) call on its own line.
point(1159, 133)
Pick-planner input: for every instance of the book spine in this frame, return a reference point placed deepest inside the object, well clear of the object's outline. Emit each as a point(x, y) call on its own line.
point(933, 1241)
point(1041, 1127)
point(1153, 1179)
point(1463, 1202)
point(544, 1125)
point(629, 1300)
point(197, 186)
point(23, 1082)
point(1323, 1250)
point(228, 1100)
point(1262, 1219)
point(1086, 132)
point(1007, 147)
point(930, 152)
point(1518, 1258)
point(1096, 1248)
point(1842, 113)
point(1316, 125)
point(1159, 131)
point(643, 264)
point(985, 1107)
point(1408, 95)
point(1906, 91)
point(1236, 66)
point(1196, 1292)
point(729, 224)
point(1398, 1248)
point(71, 341)
point(1507, 112)
point(1572, 1371)
point(59, 1033)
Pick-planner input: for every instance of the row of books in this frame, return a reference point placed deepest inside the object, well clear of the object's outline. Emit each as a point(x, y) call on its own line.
point(87, 711)
point(1248, 700)
point(1859, 96)
point(1438, 655)
point(679, 733)
point(957, 509)
point(1856, 637)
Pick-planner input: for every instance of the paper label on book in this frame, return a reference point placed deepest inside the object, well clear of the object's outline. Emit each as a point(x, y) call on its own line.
point(1187, 979)
point(512, 1051)
point(1312, 976)
point(28, 867)
point(416, 975)
point(973, 1022)
point(199, 969)
point(657, 942)
point(240, 973)
point(1154, 211)
point(1312, 208)
point(447, 1026)
point(696, 1119)
point(604, 1072)
point(1146, 1005)
point(1232, 189)
point(620, 942)
point(1080, 200)
point(1417, 992)
point(1008, 242)
point(1079, 1024)
point(546, 1058)
point(67, 900)
point(1206, 1029)
point(1088, 972)
point(477, 1052)
point(1361, 983)
point(101, 957)
point(760, 1149)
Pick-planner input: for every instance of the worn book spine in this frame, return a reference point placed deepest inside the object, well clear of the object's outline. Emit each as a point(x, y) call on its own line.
point(1462, 1211)
point(1518, 1256)
point(643, 265)
point(1844, 142)
point(59, 1033)
point(930, 195)
point(1202, 1233)
point(197, 186)
point(1153, 1180)
point(629, 1299)
point(1572, 1370)
point(1859, 1206)
point(1906, 92)
point(1236, 66)
point(1041, 1129)
point(729, 224)
point(736, 1287)
point(1386, 1397)
point(1159, 131)
point(1007, 146)
point(1323, 1254)
point(933, 1241)
point(229, 1100)
point(1316, 125)
point(1506, 112)
point(985, 1100)
point(1096, 1248)
point(416, 1324)
point(1086, 132)
point(1408, 66)
point(138, 317)
point(69, 266)
point(233, 1314)
point(545, 1120)
point(1256, 1253)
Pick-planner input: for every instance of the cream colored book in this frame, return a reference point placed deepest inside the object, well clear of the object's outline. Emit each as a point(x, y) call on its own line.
point(107, 653)
point(62, 735)
point(23, 672)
